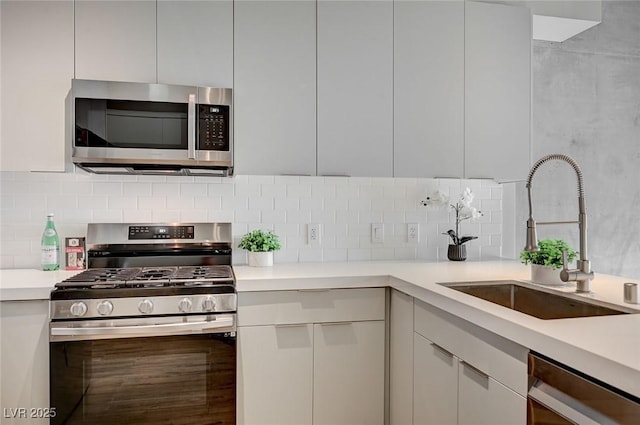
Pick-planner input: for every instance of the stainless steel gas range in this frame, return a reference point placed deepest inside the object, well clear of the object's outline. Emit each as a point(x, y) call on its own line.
point(147, 335)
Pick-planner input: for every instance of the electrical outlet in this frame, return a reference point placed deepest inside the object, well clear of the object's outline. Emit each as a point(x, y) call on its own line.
point(313, 234)
point(413, 232)
point(377, 232)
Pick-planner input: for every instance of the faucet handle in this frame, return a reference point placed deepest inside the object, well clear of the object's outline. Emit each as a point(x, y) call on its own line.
point(565, 261)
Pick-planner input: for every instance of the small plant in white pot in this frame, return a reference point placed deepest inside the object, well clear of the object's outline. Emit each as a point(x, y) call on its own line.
point(260, 245)
point(547, 261)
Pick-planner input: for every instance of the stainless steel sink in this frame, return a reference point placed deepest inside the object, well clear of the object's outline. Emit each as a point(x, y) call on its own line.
point(535, 302)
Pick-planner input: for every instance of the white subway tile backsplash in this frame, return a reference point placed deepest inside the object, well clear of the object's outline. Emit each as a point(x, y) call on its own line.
point(193, 216)
point(122, 202)
point(193, 189)
point(137, 216)
point(220, 189)
point(344, 208)
point(246, 216)
point(166, 189)
point(302, 190)
point(107, 188)
point(166, 216)
point(314, 204)
point(136, 189)
point(107, 216)
point(263, 204)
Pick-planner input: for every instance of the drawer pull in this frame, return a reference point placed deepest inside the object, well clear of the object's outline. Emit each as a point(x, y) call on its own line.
point(442, 350)
point(335, 323)
point(314, 290)
point(290, 325)
point(475, 369)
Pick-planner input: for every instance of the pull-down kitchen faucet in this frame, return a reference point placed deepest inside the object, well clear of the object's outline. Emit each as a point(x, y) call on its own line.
point(583, 274)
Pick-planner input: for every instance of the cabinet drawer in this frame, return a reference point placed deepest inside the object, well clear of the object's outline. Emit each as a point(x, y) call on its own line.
point(503, 360)
point(310, 306)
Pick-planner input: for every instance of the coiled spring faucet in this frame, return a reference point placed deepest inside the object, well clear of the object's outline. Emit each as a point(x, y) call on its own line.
point(582, 275)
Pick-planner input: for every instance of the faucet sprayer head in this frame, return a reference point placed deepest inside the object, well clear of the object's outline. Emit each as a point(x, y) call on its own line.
point(532, 238)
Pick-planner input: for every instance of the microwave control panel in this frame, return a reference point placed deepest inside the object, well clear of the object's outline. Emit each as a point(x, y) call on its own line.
point(213, 127)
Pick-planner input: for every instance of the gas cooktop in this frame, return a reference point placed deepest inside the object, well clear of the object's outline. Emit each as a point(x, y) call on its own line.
point(149, 277)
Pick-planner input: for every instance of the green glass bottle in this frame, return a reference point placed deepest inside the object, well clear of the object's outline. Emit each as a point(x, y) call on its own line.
point(50, 246)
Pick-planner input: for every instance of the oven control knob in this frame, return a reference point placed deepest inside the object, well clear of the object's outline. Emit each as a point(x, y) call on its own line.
point(145, 306)
point(78, 309)
point(105, 308)
point(208, 304)
point(185, 305)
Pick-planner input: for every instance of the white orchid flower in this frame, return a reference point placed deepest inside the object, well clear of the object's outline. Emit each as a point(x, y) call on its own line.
point(462, 208)
point(436, 198)
point(467, 197)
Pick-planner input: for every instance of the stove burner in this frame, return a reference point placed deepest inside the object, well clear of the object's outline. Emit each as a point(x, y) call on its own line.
point(156, 274)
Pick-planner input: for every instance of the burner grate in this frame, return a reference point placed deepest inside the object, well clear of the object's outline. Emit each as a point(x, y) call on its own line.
point(149, 277)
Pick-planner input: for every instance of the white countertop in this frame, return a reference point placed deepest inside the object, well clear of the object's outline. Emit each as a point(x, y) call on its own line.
point(606, 347)
point(29, 284)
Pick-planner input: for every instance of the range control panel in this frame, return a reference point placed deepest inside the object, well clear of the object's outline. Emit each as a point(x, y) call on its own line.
point(160, 232)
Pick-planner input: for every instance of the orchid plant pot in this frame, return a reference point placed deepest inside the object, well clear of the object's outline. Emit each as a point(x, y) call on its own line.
point(260, 259)
point(545, 275)
point(457, 252)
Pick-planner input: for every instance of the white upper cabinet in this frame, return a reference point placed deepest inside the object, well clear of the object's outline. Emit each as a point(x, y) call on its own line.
point(428, 88)
point(355, 88)
point(275, 87)
point(115, 40)
point(37, 68)
point(497, 91)
point(195, 42)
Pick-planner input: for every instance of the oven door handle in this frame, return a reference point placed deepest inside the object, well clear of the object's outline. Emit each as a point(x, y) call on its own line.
point(107, 332)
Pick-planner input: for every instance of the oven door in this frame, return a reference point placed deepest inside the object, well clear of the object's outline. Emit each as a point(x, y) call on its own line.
point(168, 370)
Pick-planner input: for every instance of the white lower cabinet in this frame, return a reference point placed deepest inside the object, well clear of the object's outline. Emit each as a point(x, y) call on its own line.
point(311, 357)
point(348, 373)
point(400, 358)
point(448, 390)
point(484, 401)
point(464, 374)
point(24, 362)
point(275, 374)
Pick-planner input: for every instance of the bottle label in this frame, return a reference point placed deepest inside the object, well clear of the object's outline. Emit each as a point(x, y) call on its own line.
point(49, 232)
point(49, 254)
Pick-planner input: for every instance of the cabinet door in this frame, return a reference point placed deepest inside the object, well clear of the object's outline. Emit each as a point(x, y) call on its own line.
point(400, 358)
point(275, 375)
point(355, 88)
point(116, 40)
point(37, 68)
point(195, 43)
point(348, 385)
point(24, 338)
point(497, 91)
point(428, 88)
point(435, 386)
point(275, 87)
point(484, 401)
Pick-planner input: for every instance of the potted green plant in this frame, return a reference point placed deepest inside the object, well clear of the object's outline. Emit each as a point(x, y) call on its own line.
point(260, 245)
point(547, 261)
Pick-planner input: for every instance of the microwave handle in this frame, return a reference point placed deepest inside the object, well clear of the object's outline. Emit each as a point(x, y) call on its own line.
point(191, 127)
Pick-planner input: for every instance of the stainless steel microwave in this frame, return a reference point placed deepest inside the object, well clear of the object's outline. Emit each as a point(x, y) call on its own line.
point(139, 128)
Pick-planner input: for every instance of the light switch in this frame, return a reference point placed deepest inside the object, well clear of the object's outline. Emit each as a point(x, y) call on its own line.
point(377, 232)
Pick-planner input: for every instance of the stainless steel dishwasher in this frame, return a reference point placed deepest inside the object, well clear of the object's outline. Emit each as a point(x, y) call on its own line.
point(559, 395)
